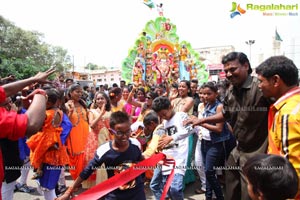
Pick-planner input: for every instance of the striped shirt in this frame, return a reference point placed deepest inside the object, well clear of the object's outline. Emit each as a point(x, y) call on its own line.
point(284, 128)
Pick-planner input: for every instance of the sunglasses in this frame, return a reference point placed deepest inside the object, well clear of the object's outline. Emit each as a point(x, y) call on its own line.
point(120, 133)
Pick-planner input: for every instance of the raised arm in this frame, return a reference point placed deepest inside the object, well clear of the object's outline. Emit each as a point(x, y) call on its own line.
point(36, 112)
point(14, 87)
point(131, 101)
point(218, 117)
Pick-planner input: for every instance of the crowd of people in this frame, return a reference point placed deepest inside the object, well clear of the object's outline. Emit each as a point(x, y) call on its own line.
point(239, 137)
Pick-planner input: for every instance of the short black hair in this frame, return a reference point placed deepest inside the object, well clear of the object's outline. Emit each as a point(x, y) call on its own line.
point(115, 91)
point(279, 65)
point(242, 58)
point(118, 117)
point(150, 117)
point(69, 79)
point(195, 81)
point(174, 85)
point(85, 87)
point(272, 175)
point(53, 95)
point(161, 103)
point(142, 90)
point(211, 85)
point(151, 94)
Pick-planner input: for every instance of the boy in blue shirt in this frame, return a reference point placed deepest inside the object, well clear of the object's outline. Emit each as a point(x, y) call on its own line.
point(115, 154)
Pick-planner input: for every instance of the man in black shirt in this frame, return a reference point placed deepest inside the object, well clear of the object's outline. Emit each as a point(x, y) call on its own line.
point(247, 111)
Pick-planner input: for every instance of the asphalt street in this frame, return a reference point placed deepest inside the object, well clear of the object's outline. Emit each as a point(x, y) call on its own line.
point(189, 193)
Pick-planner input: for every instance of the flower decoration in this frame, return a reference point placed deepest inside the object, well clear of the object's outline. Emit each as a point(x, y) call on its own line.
point(111, 94)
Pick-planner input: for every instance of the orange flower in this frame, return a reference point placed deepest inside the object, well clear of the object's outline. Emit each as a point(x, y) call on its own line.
point(111, 94)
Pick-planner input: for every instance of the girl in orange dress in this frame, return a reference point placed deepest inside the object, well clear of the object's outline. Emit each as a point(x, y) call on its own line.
point(47, 154)
point(76, 142)
point(99, 116)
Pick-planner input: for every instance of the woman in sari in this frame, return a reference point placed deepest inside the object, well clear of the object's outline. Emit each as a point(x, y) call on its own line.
point(99, 116)
point(76, 142)
point(185, 103)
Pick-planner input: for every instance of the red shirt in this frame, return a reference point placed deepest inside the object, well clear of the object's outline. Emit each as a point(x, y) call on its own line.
point(12, 125)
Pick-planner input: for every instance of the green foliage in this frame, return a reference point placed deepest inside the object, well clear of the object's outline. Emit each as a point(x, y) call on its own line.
point(24, 53)
point(92, 66)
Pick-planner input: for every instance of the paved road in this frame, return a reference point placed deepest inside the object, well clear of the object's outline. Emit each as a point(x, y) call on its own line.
point(188, 193)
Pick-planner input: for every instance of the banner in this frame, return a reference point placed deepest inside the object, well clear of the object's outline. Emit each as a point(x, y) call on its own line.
point(118, 180)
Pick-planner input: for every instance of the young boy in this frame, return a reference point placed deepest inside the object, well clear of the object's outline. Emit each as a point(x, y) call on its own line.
point(154, 130)
point(116, 154)
point(174, 144)
point(270, 177)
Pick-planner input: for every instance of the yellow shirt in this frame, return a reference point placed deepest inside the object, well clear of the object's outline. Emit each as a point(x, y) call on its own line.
point(284, 128)
point(119, 106)
point(153, 146)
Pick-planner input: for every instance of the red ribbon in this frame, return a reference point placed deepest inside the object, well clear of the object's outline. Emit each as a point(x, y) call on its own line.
point(118, 180)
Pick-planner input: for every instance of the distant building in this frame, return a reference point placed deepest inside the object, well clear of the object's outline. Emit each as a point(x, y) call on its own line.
point(106, 76)
point(97, 77)
point(212, 57)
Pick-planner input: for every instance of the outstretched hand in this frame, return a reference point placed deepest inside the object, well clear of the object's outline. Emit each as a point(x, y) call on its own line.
point(68, 194)
point(31, 95)
point(164, 140)
point(41, 77)
point(102, 110)
point(194, 121)
point(65, 196)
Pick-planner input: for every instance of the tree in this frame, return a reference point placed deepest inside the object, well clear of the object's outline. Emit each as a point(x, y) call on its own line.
point(24, 53)
point(91, 66)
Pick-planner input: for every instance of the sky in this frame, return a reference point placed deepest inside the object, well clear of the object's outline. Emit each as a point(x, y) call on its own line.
point(102, 31)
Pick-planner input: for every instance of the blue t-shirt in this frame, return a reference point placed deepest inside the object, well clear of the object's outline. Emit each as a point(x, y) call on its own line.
point(23, 148)
point(115, 162)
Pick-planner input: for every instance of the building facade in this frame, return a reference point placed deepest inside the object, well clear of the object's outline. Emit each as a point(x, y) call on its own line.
point(106, 76)
point(212, 57)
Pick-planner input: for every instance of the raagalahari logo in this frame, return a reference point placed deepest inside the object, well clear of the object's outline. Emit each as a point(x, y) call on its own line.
point(236, 10)
point(265, 9)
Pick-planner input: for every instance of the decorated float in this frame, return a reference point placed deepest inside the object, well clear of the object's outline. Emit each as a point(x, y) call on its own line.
point(159, 56)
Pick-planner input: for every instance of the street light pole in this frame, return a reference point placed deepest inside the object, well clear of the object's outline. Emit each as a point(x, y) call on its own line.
point(250, 42)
